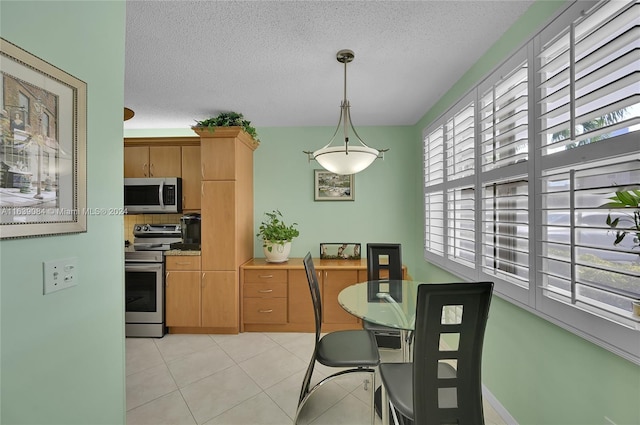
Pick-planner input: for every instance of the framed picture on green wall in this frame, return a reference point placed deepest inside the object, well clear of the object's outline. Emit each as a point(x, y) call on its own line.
point(333, 187)
point(43, 132)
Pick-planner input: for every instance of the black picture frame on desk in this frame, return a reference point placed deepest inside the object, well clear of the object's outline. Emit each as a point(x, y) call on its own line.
point(340, 251)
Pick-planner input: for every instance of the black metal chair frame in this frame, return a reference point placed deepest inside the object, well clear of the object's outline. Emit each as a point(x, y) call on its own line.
point(306, 391)
point(441, 393)
point(394, 266)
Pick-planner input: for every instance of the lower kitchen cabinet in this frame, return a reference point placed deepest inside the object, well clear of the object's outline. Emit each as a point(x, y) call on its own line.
point(220, 300)
point(200, 301)
point(182, 291)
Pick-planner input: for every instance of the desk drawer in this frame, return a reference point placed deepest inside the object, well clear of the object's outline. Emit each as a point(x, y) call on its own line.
point(265, 310)
point(265, 290)
point(265, 275)
point(182, 262)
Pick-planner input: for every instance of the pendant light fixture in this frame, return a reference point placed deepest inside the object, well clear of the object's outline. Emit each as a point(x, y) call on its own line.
point(345, 158)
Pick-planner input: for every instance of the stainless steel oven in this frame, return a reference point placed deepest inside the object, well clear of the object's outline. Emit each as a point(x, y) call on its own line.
point(144, 279)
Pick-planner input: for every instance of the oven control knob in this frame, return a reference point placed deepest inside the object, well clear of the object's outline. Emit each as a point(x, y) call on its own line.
point(137, 228)
point(145, 227)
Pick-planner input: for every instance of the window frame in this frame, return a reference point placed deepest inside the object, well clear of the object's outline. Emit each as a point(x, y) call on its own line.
point(613, 336)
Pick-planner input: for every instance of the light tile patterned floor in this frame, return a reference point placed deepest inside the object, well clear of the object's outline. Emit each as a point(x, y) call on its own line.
point(245, 379)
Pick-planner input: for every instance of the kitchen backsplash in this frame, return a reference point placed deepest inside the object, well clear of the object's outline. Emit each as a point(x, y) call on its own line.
point(131, 220)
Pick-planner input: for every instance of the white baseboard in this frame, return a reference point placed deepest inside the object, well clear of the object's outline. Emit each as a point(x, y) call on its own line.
point(498, 407)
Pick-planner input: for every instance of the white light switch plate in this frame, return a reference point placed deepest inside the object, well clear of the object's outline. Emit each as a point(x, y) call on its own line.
point(60, 274)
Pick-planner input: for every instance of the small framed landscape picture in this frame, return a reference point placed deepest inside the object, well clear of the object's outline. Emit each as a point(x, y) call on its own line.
point(333, 187)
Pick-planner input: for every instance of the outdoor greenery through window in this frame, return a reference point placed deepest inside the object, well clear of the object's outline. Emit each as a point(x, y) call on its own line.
point(532, 179)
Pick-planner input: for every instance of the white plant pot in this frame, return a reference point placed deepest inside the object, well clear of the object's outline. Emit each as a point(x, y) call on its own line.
point(279, 253)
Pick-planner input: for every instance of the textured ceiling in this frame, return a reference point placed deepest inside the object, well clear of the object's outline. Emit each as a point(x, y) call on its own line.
point(274, 61)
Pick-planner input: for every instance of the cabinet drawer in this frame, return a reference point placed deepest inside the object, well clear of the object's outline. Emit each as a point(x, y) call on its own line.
point(265, 275)
point(265, 310)
point(265, 290)
point(182, 262)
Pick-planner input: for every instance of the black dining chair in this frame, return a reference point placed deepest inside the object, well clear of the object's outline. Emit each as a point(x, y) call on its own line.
point(443, 384)
point(355, 350)
point(384, 261)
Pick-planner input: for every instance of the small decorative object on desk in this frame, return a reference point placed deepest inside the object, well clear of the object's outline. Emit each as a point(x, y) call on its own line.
point(340, 251)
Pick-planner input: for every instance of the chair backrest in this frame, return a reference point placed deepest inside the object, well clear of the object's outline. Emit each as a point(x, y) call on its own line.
point(314, 288)
point(384, 256)
point(447, 385)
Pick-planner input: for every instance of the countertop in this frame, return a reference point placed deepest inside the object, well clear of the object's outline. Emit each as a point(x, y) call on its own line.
point(181, 252)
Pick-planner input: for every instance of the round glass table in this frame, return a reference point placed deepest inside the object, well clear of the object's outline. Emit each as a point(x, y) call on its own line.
point(385, 302)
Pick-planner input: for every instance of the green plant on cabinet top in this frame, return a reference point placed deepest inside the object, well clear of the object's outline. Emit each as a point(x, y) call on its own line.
point(228, 119)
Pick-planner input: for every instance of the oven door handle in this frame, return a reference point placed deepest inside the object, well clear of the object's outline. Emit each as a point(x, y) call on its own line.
point(147, 245)
point(150, 267)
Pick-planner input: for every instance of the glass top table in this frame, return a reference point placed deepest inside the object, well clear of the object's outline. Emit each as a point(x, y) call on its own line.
point(390, 303)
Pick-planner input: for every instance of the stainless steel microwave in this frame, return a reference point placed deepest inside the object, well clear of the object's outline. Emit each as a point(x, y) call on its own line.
point(153, 195)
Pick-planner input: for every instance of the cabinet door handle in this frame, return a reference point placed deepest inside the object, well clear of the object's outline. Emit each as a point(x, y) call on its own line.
point(202, 171)
point(265, 291)
point(144, 169)
point(265, 276)
point(151, 170)
point(167, 275)
point(265, 311)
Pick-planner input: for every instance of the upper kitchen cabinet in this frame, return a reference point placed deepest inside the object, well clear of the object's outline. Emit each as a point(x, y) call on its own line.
point(167, 157)
point(191, 167)
point(227, 152)
point(152, 161)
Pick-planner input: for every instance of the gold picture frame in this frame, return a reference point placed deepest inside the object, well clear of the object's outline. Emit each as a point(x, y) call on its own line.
point(43, 137)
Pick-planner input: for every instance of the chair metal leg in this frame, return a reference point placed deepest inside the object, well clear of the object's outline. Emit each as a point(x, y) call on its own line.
point(373, 396)
point(384, 406)
point(312, 390)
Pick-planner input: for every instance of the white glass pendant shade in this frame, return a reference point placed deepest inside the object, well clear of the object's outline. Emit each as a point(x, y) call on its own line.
point(339, 160)
point(345, 158)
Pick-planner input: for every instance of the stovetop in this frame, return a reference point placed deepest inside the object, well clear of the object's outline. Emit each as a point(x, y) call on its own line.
point(156, 230)
point(155, 237)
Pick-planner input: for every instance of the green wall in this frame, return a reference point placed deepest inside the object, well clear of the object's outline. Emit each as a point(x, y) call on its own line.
point(539, 372)
point(62, 355)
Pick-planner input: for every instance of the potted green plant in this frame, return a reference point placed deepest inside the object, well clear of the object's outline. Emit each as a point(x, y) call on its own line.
point(627, 224)
point(276, 237)
point(228, 119)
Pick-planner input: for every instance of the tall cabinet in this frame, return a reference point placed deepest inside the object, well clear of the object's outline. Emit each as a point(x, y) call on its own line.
point(227, 222)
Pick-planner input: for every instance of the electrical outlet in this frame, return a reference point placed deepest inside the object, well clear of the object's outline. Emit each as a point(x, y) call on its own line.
point(60, 274)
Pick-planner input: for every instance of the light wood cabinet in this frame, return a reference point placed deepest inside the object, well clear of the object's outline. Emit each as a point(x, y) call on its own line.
point(226, 156)
point(220, 299)
point(152, 161)
point(276, 297)
point(191, 171)
point(300, 303)
point(183, 293)
point(334, 281)
point(167, 157)
point(265, 296)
